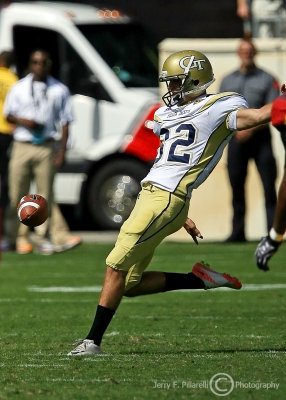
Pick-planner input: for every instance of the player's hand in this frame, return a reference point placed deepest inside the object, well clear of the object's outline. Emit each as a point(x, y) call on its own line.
point(192, 230)
point(283, 88)
point(264, 251)
point(149, 124)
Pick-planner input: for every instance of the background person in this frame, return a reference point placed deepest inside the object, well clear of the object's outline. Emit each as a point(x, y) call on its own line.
point(259, 88)
point(7, 79)
point(261, 17)
point(270, 243)
point(36, 105)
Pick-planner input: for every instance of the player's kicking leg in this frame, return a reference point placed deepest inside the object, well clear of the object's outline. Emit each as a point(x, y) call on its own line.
point(201, 277)
point(148, 224)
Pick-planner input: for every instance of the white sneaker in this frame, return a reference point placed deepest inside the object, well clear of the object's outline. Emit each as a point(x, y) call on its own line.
point(72, 242)
point(85, 347)
point(46, 248)
point(213, 279)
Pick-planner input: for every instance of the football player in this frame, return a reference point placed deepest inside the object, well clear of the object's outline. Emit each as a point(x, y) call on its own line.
point(270, 243)
point(194, 128)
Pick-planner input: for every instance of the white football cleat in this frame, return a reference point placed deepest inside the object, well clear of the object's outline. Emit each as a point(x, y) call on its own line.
point(213, 279)
point(85, 347)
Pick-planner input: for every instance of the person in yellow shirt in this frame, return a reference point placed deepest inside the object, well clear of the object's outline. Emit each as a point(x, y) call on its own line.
point(7, 79)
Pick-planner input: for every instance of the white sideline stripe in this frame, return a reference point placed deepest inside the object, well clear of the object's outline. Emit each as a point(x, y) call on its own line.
point(266, 286)
point(192, 317)
point(119, 357)
point(41, 365)
point(92, 380)
point(85, 301)
point(65, 289)
point(97, 289)
point(87, 380)
point(245, 287)
point(8, 300)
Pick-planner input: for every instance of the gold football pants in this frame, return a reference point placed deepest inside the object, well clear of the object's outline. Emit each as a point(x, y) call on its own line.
point(157, 214)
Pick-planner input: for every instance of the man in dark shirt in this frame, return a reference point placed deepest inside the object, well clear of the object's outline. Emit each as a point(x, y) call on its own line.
point(259, 88)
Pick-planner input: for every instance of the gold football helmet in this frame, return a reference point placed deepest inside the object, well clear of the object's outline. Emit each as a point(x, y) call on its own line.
point(192, 69)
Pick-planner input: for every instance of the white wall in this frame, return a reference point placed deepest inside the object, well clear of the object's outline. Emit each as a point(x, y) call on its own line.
point(211, 203)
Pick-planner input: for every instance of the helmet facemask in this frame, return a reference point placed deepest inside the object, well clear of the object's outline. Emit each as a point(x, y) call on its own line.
point(171, 97)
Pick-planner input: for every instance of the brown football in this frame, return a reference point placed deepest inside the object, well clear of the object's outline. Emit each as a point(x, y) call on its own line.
point(33, 210)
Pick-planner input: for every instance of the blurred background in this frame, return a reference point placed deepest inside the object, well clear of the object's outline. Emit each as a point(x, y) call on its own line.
point(214, 28)
point(182, 19)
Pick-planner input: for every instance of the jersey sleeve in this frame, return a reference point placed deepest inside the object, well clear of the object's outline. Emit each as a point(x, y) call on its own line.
point(157, 123)
point(227, 105)
point(231, 121)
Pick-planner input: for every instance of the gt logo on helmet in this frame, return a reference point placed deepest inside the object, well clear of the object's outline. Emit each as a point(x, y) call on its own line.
point(191, 64)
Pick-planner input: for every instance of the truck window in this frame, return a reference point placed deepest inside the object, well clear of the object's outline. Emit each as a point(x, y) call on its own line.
point(77, 76)
point(26, 39)
point(67, 66)
point(128, 50)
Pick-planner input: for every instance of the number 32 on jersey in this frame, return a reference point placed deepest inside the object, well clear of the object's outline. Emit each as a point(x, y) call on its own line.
point(176, 149)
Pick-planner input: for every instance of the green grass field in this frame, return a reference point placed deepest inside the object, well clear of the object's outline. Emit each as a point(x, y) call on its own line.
point(168, 345)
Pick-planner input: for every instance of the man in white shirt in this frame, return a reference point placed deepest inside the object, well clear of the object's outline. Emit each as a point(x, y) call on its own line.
point(36, 105)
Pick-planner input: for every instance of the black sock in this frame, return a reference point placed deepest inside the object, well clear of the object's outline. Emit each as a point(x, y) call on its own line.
point(176, 281)
point(102, 319)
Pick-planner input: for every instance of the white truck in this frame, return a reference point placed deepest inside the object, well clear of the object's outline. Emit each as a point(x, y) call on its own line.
point(110, 67)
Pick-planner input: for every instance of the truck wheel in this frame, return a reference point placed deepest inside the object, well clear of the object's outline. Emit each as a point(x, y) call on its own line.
point(112, 192)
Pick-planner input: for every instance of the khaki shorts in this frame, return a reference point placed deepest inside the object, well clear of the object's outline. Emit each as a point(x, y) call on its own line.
point(157, 214)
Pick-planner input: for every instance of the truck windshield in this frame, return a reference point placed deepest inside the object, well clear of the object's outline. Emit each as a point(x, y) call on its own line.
point(127, 49)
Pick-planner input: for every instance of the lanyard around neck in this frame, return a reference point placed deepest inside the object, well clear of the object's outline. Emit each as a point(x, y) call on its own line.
point(37, 101)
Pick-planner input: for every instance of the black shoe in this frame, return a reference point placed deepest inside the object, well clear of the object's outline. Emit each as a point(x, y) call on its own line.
point(5, 246)
point(235, 239)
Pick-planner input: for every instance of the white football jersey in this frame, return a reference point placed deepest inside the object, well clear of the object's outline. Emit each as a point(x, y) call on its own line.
point(193, 137)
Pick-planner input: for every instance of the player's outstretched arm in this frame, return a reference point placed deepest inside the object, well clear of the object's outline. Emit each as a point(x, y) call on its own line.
point(251, 117)
point(192, 230)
